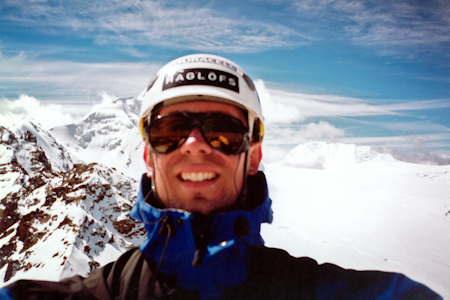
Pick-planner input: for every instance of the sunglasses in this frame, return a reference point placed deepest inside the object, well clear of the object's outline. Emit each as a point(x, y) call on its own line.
point(222, 132)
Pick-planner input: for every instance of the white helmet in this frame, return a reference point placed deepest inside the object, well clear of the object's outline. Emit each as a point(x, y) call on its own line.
point(204, 77)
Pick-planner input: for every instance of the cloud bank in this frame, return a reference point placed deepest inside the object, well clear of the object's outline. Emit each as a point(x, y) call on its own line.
point(177, 24)
point(405, 28)
point(27, 107)
point(66, 81)
point(282, 134)
point(293, 118)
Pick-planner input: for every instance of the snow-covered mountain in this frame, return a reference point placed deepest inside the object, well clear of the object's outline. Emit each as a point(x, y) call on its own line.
point(65, 195)
point(58, 216)
point(108, 134)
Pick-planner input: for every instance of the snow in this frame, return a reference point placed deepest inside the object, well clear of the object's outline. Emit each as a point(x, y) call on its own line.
point(362, 210)
point(53, 151)
point(108, 252)
point(338, 203)
point(109, 135)
point(77, 264)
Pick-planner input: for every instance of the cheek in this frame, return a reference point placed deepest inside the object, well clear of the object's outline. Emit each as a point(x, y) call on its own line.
point(236, 167)
point(163, 164)
point(160, 166)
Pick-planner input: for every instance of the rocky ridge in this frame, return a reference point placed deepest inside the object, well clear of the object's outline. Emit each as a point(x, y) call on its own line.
point(57, 213)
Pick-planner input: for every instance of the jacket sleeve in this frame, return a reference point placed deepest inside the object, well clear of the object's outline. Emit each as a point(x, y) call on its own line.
point(337, 283)
point(95, 286)
point(274, 274)
point(34, 289)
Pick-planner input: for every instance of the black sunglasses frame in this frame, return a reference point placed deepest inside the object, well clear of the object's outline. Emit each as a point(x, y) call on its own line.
point(197, 120)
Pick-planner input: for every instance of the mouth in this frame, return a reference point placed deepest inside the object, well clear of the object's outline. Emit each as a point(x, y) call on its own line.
point(198, 177)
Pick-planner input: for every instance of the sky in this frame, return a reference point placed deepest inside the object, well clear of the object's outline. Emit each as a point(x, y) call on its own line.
point(373, 73)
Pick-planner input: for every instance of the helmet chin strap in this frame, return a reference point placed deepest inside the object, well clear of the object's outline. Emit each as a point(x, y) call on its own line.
point(242, 197)
point(156, 166)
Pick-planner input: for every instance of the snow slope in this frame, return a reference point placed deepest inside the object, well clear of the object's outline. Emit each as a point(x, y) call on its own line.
point(362, 210)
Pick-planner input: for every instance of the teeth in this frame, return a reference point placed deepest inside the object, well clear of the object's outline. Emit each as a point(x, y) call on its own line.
point(197, 177)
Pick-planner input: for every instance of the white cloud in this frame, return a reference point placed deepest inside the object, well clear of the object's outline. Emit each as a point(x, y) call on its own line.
point(404, 142)
point(404, 27)
point(107, 98)
point(416, 127)
point(74, 81)
point(286, 112)
point(417, 105)
point(48, 115)
point(182, 25)
point(276, 111)
point(292, 134)
point(320, 130)
point(284, 107)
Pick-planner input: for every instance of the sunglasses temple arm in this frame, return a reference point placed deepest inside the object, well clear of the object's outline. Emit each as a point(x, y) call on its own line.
point(244, 191)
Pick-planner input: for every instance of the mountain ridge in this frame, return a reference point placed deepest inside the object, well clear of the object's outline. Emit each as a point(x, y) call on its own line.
point(80, 209)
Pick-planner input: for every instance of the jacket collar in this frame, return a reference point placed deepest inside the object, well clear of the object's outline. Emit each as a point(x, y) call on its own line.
point(205, 253)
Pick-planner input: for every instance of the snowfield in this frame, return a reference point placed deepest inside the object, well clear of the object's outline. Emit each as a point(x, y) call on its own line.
point(338, 203)
point(359, 209)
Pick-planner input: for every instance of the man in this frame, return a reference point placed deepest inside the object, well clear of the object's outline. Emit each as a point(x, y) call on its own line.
point(203, 201)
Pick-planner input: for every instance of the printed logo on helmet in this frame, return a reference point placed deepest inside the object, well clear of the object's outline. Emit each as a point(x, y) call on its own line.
point(204, 59)
point(208, 77)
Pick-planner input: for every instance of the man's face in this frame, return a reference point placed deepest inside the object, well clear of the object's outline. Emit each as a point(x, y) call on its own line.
point(196, 177)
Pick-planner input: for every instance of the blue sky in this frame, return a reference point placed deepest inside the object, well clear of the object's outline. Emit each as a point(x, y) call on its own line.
point(366, 72)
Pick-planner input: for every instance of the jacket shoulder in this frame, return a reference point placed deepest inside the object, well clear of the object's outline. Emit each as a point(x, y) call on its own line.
point(275, 274)
point(98, 285)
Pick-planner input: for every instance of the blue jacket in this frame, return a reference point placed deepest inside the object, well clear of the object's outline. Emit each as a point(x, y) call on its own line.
point(222, 256)
point(218, 243)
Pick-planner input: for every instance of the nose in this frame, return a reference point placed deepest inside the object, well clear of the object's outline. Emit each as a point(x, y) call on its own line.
point(195, 144)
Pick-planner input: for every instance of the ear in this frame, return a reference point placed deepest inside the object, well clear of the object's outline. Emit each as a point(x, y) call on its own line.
point(148, 161)
point(255, 158)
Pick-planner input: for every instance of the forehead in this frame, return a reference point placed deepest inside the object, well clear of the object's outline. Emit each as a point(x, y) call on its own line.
point(204, 107)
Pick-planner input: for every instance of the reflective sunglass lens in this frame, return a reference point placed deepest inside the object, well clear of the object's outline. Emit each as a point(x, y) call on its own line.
point(168, 133)
point(220, 131)
point(224, 133)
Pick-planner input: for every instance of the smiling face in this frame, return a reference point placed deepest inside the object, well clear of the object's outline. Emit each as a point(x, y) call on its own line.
point(195, 177)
